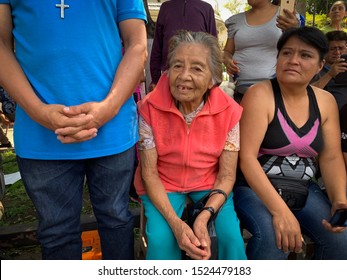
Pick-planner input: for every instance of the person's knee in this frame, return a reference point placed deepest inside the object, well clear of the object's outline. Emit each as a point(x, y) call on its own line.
point(160, 239)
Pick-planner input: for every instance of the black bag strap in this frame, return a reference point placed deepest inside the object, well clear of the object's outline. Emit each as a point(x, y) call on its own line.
point(195, 209)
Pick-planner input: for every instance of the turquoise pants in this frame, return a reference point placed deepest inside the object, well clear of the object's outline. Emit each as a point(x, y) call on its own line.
point(162, 244)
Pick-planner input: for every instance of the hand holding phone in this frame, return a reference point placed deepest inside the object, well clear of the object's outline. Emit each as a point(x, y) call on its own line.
point(341, 78)
point(287, 4)
point(339, 219)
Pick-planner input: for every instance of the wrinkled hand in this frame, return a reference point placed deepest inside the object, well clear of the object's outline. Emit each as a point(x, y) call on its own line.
point(188, 241)
point(94, 115)
point(288, 233)
point(287, 21)
point(201, 232)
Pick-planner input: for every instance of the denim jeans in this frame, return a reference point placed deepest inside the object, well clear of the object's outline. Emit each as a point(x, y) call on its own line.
point(255, 217)
point(56, 188)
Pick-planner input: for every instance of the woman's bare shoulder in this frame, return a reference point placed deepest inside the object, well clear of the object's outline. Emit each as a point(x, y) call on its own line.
point(323, 97)
point(326, 101)
point(258, 101)
point(260, 92)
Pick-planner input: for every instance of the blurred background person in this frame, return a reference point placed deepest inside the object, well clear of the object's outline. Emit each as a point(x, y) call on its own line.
point(193, 15)
point(337, 13)
point(333, 66)
point(250, 51)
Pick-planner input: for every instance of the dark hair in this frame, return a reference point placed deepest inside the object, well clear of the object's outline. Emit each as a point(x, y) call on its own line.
point(312, 36)
point(336, 35)
point(205, 39)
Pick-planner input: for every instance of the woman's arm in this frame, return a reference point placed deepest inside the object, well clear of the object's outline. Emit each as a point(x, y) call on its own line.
point(154, 187)
point(345, 158)
point(226, 176)
point(230, 64)
point(343, 126)
point(258, 104)
point(331, 162)
point(225, 182)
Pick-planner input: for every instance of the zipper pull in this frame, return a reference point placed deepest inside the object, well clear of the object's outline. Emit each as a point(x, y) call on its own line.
point(280, 192)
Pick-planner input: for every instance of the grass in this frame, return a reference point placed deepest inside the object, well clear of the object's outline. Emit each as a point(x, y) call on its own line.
point(17, 204)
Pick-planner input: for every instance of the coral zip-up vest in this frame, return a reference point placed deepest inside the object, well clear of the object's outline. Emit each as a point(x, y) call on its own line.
point(187, 155)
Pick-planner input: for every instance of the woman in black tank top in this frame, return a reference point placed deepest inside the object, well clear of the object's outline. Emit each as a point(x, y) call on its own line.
point(290, 130)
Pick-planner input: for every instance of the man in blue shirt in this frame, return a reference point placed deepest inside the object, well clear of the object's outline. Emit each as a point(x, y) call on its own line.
point(75, 115)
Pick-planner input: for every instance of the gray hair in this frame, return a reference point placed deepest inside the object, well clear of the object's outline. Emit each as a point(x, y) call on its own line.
point(205, 39)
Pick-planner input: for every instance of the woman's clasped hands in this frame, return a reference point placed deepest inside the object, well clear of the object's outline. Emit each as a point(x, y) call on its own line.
point(195, 242)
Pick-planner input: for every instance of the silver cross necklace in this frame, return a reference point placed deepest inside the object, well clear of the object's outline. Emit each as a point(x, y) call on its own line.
point(62, 7)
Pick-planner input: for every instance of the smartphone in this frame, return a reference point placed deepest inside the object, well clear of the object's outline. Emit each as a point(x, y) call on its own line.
point(341, 78)
point(287, 4)
point(339, 219)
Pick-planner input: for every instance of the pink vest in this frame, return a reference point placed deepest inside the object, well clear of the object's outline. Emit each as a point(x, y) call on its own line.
point(187, 156)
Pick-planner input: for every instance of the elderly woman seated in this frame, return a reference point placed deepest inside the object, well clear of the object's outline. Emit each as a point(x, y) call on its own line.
point(189, 143)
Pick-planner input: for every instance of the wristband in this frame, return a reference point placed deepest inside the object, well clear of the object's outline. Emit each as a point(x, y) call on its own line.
point(218, 191)
point(209, 209)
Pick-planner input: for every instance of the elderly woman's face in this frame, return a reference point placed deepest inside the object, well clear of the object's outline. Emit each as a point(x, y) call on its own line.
point(297, 62)
point(190, 75)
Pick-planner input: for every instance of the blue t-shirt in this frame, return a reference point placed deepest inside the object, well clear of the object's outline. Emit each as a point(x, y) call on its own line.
point(70, 61)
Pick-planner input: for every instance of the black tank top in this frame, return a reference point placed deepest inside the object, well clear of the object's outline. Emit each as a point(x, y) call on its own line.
point(288, 150)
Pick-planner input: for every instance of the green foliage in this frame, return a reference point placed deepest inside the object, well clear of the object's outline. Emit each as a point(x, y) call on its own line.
point(9, 162)
point(319, 20)
point(319, 6)
point(236, 6)
point(18, 206)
